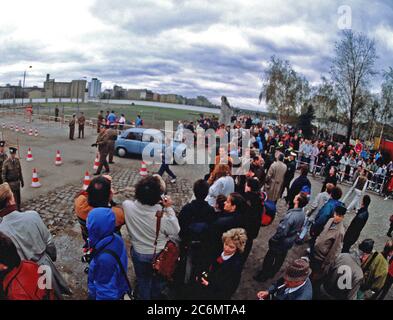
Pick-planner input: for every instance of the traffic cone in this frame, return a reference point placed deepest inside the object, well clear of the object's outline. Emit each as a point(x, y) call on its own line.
point(96, 163)
point(58, 161)
point(86, 181)
point(16, 129)
point(35, 182)
point(23, 130)
point(12, 127)
point(29, 155)
point(143, 171)
point(35, 132)
point(4, 125)
point(30, 132)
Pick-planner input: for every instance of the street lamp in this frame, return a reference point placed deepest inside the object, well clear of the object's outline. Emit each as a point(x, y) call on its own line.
point(77, 93)
point(23, 88)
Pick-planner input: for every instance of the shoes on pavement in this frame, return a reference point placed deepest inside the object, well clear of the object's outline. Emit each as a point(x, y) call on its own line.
point(97, 174)
point(173, 180)
point(111, 162)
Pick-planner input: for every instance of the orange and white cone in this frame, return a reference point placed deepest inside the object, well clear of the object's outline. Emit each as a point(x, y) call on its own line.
point(35, 132)
point(35, 182)
point(30, 132)
point(143, 171)
point(96, 163)
point(4, 125)
point(12, 127)
point(86, 181)
point(16, 129)
point(23, 130)
point(29, 155)
point(58, 161)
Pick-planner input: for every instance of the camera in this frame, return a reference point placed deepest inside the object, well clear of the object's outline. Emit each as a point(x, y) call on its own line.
point(205, 275)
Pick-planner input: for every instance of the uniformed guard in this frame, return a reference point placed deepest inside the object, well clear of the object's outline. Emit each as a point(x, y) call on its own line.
point(81, 126)
point(3, 157)
point(102, 144)
point(111, 135)
point(72, 126)
point(12, 173)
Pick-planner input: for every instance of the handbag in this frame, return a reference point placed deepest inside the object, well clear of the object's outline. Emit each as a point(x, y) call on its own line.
point(165, 263)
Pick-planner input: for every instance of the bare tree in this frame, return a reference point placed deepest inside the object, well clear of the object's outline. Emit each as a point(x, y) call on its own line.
point(351, 70)
point(325, 100)
point(284, 91)
point(386, 110)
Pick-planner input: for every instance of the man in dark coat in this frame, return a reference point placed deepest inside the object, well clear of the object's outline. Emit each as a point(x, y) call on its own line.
point(195, 219)
point(357, 225)
point(298, 185)
point(253, 213)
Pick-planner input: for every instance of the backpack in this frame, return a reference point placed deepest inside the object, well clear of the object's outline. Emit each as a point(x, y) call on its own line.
point(269, 210)
point(23, 284)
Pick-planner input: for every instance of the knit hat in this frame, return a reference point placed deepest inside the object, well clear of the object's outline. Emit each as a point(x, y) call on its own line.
point(5, 191)
point(298, 271)
point(367, 246)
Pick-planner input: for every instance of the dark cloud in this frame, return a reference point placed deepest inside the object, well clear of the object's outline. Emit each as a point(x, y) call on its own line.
point(149, 17)
point(167, 45)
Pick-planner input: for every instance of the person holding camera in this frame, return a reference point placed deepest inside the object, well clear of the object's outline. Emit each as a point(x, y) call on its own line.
point(141, 221)
point(222, 278)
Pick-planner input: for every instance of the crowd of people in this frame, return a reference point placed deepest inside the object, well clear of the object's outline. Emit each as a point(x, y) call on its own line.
point(200, 252)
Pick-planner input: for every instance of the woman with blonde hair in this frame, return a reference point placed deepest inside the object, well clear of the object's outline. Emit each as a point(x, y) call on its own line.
point(222, 278)
point(221, 182)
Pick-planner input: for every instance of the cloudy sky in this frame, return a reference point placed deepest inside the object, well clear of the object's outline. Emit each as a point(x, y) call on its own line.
point(188, 47)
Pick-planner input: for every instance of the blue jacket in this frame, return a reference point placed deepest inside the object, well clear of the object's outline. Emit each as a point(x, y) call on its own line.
point(287, 231)
point(323, 216)
point(105, 279)
point(112, 118)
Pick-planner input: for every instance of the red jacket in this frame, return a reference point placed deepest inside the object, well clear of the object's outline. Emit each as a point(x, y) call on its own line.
point(22, 283)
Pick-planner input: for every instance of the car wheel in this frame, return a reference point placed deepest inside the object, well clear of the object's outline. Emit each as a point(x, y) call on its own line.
point(121, 152)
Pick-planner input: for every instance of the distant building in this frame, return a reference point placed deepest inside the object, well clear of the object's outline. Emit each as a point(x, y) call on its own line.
point(35, 93)
point(94, 88)
point(74, 89)
point(172, 98)
point(140, 94)
point(11, 92)
point(119, 92)
point(156, 96)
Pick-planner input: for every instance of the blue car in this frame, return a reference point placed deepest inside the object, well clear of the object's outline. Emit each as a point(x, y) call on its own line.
point(135, 140)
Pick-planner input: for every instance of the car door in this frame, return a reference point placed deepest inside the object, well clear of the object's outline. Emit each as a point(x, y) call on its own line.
point(133, 142)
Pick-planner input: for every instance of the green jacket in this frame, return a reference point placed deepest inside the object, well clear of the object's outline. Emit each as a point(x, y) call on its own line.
point(375, 273)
